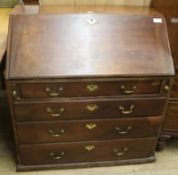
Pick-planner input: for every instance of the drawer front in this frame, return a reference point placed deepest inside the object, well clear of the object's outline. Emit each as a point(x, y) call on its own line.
point(174, 92)
point(87, 130)
point(86, 151)
point(171, 122)
point(88, 109)
point(84, 89)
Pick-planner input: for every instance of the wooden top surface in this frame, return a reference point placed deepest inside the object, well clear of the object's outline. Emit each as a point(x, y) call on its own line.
point(66, 45)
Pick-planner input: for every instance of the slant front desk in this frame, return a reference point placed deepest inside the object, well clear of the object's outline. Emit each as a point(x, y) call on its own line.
point(87, 88)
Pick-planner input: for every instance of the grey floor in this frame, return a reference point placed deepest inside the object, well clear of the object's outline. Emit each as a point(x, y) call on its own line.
point(166, 164)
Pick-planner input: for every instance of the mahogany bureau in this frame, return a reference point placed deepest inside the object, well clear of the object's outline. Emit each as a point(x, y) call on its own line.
point(87, 88)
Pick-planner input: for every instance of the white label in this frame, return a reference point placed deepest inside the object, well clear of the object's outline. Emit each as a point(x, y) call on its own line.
point(157, 20)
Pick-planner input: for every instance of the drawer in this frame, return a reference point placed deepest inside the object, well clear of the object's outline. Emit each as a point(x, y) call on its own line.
point(87, 130)
point(171, 122)
point(88, 109)
point(85, 89)
point(174, 92)
point(86, 151)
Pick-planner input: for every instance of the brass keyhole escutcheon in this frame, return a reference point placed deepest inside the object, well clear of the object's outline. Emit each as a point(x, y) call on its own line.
point(89, 147)
point(91, 20)
point(92, 87)
point(91, 126)
point(92, 107)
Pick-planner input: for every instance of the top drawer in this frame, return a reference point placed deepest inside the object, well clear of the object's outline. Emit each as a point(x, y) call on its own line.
point(87, 89)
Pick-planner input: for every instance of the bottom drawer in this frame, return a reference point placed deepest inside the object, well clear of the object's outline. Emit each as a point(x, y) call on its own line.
point(86, 151)
point(171, 122)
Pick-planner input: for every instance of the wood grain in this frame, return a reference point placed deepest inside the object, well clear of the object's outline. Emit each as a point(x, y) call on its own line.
point(103, 151)
point(51, 50)
point(90, 88)
point(171, 123)
point(77, 109)
point(98, 55)
point(174, 92)
point(51, 132)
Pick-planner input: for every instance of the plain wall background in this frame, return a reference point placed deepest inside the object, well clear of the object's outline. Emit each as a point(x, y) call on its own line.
point(98, 2)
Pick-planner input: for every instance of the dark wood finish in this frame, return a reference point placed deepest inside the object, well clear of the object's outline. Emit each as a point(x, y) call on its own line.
point(175, 58)
point(85, 164)
point(102, 151)
point(170, 10)
point(71, 48)
point(29, 133)
point(172, 22)
point(174, 92)
point(171, 122)
point(90, 88)
point(79, 94)
point(88, 109)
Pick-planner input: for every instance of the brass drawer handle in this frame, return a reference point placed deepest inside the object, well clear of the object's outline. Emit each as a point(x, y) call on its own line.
point(92, 107)
point(92, 87)
point(89, 147)
point(54, 94)
point(60, 112)
point(123, 131)
point(120, 152)
point(125, 112)
point(57, 157)
point(56, 133)
point(91, 126)
point(128, 92)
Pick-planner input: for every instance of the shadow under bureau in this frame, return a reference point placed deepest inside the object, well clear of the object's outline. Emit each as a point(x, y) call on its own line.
point(87, 89)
